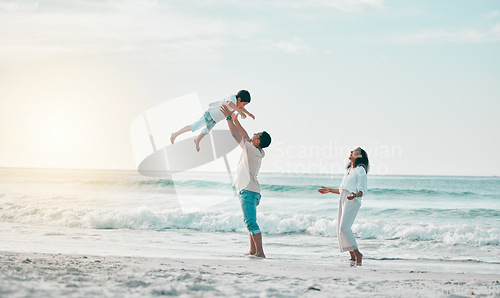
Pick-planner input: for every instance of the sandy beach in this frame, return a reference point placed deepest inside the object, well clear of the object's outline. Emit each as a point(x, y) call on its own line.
point(58, 275)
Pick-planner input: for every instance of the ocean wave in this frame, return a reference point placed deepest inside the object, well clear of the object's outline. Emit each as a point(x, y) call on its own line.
point(419, 192)
point(147, 218)
point(448, 234)
point(432, 213)
point(291, 190)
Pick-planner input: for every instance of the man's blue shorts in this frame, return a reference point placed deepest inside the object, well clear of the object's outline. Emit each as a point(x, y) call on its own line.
point(249, 201)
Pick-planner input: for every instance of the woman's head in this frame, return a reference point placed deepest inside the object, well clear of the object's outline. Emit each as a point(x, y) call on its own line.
point(359, 157)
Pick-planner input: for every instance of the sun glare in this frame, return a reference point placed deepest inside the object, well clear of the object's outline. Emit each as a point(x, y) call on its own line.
point(55, 126)
point(57, 133)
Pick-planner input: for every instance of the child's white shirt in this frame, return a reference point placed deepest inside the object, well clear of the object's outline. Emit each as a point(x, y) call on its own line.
point(214, 108)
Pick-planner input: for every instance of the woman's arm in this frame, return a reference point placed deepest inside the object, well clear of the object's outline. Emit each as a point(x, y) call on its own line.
point(325, 190)
point(355, 195)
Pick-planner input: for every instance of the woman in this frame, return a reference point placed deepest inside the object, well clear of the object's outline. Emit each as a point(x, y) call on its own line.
point(352, 188)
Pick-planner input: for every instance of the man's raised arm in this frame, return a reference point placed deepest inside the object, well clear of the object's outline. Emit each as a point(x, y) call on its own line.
point(240, 128)
point(234, 131)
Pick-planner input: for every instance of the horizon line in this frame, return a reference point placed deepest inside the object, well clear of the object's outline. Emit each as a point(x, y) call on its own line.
point(292, 173)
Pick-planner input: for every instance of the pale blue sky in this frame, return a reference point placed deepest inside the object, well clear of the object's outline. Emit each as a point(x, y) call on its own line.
point(416, 83)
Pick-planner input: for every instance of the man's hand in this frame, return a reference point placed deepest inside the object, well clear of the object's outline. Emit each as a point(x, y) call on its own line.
point(251, 116)
point(225, 111)
point(236, 114)
point(352, 196)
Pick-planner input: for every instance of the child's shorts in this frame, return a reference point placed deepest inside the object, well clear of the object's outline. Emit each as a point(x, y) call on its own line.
point(205, 120)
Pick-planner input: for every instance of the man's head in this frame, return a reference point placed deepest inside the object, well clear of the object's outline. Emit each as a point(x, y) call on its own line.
point(261, 139)
point(243, 97)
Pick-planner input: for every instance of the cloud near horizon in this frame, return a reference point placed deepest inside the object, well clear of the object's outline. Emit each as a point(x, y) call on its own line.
point(491, 34)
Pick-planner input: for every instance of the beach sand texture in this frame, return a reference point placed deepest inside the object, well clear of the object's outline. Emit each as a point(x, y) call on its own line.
point(64, 275)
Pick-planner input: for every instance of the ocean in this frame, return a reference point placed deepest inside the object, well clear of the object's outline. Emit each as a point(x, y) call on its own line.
point(426, 223)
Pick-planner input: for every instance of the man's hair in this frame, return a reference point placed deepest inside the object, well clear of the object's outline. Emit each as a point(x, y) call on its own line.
point(244, 95)
point(265, 140)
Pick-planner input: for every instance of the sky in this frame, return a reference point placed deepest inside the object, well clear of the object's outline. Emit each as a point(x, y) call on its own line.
point(414, 83)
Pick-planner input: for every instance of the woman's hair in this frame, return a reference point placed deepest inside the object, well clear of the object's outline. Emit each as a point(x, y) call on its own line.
point(360, 161)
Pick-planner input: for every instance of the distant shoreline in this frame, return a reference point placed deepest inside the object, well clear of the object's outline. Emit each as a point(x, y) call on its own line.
point(265, 173)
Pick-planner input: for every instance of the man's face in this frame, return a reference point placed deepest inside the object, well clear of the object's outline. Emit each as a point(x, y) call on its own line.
point(256, 138)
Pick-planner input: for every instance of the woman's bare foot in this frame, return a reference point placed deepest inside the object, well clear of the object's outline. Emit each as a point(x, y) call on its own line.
point(353, 257)
point(172, 137)
point(250, 253)
point(197, 142)
point(359, 259)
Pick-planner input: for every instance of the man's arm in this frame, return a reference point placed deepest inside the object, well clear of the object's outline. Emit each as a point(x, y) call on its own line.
point(240, 128)
point(234, 131)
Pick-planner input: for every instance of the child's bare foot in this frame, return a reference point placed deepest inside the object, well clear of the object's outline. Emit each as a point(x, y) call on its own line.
point(197, 142)
point(172, 137)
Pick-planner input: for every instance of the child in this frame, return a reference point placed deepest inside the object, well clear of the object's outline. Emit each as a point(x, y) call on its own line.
point(213, 115)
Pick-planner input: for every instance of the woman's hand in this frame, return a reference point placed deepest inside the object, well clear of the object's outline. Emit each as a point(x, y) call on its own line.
point(251, 116)
point(352, 196)
point(324, 190)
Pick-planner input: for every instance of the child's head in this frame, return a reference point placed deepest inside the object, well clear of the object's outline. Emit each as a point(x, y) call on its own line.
point(243, 98)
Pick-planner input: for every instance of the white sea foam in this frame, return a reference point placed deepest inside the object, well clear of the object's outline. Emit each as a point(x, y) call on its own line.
point(220, 221)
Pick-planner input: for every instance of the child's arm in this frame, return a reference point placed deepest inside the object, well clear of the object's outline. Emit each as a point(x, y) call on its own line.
point(248, 113)
point(239, 110)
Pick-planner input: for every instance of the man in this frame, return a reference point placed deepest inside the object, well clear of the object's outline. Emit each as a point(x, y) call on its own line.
point(246, 177)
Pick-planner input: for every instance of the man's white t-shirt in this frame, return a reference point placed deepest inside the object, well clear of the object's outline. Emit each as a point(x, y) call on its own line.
point(355, 181)
point(214, 108)
point(248, 168)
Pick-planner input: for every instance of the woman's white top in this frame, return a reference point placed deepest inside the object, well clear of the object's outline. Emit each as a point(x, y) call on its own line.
point(354, 181)
point(214, 107)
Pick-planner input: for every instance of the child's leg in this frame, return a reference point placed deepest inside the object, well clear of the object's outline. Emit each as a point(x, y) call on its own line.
point(181, 131)
point(201, 122)
point(197, 141)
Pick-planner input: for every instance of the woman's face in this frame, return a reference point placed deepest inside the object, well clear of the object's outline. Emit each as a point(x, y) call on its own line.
point(354, 155)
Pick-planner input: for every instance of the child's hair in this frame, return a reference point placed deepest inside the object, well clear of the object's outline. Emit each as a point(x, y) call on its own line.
point(265, 140)
point(244, 95)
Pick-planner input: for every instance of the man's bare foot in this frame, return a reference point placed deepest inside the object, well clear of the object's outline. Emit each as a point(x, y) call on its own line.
point(172, 137)
point(353, 256)
point(260, 255)
point(197, 142)
point(359, 259)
